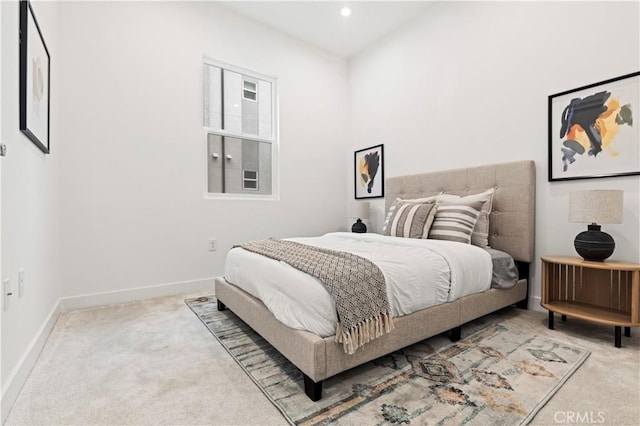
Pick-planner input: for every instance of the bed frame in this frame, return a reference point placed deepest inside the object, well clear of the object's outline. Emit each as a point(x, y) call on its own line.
point(511, 230)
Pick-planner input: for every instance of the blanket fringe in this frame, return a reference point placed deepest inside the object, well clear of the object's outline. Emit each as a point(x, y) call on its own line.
point(364, 332)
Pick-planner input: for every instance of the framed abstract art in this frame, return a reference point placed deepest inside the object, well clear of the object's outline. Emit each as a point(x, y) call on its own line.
point(369, 172)
point(35, 71)
point(593, 130)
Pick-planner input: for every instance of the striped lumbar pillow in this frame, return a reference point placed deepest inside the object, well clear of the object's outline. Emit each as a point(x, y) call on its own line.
point(410, 220)
point(455, 222)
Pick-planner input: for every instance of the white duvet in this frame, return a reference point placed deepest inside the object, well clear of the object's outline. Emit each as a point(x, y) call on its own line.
point(419, 273)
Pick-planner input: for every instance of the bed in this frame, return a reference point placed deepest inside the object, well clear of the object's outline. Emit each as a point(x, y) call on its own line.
point(511, 230)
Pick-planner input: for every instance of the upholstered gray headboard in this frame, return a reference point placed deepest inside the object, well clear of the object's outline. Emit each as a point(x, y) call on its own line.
point(511, 223)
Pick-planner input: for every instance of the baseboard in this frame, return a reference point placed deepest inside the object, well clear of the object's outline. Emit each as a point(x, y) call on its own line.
point(135, 294)
point(534, 304)
point(19, 375)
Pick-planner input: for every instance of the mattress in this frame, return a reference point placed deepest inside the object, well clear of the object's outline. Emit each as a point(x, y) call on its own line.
point(419, 273)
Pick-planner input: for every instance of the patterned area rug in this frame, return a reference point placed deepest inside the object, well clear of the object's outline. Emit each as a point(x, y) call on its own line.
point(497, 375)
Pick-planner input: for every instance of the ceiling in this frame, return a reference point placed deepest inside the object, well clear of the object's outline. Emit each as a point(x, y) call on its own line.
point(320, 23)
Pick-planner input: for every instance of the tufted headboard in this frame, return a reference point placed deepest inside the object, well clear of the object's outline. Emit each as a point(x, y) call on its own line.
point(511, 222)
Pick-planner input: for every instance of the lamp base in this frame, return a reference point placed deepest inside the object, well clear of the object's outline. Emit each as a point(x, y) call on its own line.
point(593, 244)
point(359, 227)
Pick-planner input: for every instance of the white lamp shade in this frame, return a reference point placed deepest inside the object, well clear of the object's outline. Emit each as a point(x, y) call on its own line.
point(360, 210)
point(596, 206)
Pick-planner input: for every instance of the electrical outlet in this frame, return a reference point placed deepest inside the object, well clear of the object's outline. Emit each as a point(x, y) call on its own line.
point(20, 282)
point(213, 244)
point(6, 294)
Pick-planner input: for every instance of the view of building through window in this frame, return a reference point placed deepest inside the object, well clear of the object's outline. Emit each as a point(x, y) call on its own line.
point(240, 117)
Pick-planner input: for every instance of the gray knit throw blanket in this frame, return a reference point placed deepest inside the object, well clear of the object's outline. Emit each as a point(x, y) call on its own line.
point(356, 284)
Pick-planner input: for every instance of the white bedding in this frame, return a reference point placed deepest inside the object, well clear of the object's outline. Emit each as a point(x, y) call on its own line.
point(419, 273)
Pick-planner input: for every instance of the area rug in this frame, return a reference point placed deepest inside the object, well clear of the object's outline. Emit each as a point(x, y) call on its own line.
point(498, 375)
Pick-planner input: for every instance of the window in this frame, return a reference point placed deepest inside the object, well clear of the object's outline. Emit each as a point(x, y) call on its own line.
point(250, 90)
point(250, 179)
point(240, 119)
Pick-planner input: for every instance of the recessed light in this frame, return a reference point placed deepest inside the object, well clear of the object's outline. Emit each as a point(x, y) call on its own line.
point(345, 11)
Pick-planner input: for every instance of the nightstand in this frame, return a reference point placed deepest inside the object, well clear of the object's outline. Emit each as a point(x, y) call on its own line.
point(603, 292)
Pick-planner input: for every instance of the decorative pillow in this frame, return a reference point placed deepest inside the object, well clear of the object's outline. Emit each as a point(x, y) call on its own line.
point(410, 220)
point(480, 235)
point(455, 222)
point(393, 207)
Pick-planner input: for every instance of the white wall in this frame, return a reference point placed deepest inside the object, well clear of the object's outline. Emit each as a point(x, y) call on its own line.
point(30, 200)
point(133, 170)
point(118, 206)
point(1, 275)
point(467, 84)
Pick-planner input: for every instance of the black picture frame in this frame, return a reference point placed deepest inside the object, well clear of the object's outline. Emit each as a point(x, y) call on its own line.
point(364, 160)
point(591, 133)
point(35, 80)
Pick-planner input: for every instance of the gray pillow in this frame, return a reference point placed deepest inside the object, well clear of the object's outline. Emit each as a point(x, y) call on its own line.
point(505, 273)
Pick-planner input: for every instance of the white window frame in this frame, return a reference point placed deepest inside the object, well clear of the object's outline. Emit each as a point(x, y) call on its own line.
point(273, 140)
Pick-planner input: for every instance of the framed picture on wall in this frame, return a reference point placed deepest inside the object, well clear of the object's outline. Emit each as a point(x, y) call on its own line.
point(593, 130)
point(35, 67)
point(368, 169)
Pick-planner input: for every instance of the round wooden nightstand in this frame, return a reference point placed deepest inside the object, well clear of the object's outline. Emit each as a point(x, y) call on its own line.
point(604, 292)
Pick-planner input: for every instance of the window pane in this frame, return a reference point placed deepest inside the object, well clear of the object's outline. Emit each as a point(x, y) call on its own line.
point(238, 166)
point(233, 104)
point(249, 155)
point(215, 163)
point(212, 97)
point(264, 110)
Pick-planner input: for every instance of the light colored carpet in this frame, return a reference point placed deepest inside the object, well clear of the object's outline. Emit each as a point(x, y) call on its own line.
point(501, 374)
point(153, 362)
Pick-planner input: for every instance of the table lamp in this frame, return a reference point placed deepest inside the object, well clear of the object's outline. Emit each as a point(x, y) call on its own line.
point(360, 210)
point(593, 207)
